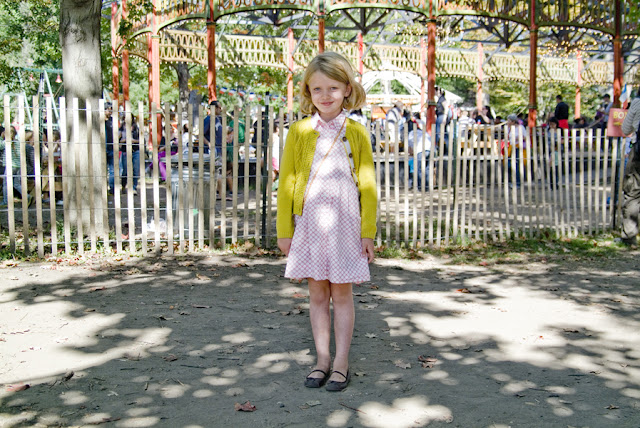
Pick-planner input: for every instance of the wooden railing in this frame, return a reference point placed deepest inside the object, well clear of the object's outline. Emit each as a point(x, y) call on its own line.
point(469, 193)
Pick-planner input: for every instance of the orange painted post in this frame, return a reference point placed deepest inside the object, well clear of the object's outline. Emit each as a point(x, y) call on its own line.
point(360, 55)
point(211, 61)
point(321, 33)
point(292, 45)
point(125, 62)
point(211, 53)
point(154, 82)
point(431, 71)
point(533, 68)
point(618, 60)
point(115, 69)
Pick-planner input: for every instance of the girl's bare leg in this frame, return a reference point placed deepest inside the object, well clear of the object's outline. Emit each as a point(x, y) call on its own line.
point(343, 321)
point(319, 297)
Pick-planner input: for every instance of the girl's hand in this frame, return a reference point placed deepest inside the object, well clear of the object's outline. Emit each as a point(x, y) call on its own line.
point(367, 248)
point(285, 245)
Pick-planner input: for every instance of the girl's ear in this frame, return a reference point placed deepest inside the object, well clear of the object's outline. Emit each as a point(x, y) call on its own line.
point(348, 91)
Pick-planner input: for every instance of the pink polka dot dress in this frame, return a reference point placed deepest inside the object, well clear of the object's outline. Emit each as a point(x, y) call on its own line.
point(326, 242)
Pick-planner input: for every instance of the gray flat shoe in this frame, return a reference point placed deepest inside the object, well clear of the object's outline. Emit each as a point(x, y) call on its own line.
point(333, 385)
point(316, 382)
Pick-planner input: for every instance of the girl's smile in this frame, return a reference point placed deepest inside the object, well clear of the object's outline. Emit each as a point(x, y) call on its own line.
point(327, 95)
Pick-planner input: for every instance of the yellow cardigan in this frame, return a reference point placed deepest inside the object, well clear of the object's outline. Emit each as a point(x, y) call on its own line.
point(295, 168)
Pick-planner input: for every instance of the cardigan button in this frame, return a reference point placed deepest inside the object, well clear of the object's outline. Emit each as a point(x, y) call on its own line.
point(350, 155)
point(344, 138)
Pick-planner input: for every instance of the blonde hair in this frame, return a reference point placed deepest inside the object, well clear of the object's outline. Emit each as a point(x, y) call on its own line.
point(336, 67)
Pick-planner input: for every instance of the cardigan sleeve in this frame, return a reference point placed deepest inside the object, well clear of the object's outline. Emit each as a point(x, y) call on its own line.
point(368, 190)
point(286, 186)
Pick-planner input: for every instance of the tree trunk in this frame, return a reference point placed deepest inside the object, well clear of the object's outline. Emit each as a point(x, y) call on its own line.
point(80, 42)
point(182, 71)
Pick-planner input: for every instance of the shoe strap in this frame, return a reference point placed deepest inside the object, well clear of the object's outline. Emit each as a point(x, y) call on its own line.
point(340, 373)
point(318, 370)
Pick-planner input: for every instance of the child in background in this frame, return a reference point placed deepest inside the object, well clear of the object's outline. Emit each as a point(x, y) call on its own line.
point(327, 209)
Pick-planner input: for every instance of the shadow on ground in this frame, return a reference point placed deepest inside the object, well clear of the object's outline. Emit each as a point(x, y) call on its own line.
point(178, 341)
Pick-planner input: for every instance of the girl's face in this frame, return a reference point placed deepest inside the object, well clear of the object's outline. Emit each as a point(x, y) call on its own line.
point(327, 95)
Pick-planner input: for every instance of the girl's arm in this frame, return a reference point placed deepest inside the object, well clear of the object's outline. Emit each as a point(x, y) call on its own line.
point(284, 221)
point(368, 195)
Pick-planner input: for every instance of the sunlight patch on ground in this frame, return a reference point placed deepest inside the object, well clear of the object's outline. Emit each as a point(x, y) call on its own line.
point(241, 337)
point(404, 412)
point(72, 347)
point(339, 418)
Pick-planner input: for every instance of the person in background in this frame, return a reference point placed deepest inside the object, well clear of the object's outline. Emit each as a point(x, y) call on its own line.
point(516, 139)
point(135, 153)
point(487, 116)
point(580, 123)
point(218, 134)
point(393, 121)
point(554, 140)
point(441, 114)
point(14, 169)
point(561, 113)
point(604, 109)
point(275, 151)
point(108, 134)
point(358, 116)
point(419, 143)
point(631, 180)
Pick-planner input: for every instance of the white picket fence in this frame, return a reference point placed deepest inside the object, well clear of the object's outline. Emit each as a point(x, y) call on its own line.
point(568, 188)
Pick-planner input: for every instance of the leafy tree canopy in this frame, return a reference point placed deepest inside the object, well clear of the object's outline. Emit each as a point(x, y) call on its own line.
point(29, 38)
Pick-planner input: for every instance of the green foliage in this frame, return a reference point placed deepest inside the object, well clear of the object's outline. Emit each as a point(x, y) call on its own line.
point(459, 86)
point(29, 37)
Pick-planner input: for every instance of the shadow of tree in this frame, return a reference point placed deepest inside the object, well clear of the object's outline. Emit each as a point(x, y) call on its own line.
point(177, 341)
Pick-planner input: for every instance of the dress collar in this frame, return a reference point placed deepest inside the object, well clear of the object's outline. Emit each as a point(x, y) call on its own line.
point(317, 123)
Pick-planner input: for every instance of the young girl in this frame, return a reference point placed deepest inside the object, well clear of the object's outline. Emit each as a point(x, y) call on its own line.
point(327, 208)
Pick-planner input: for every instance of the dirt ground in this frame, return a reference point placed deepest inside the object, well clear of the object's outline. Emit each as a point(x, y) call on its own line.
point(183, 341)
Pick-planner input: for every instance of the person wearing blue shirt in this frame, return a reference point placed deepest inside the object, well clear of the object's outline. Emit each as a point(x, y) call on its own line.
point(217, 109)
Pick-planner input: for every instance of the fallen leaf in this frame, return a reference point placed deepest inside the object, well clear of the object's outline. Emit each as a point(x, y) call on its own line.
point(200, 306)
point(271, 311)
point(402, 364)
point(170, 357)
point(237, 265)
point(371, 335)
point(186, 263)
point(299, 296)
point(98, 289)
point(104, 421)
point(612, 407)
point(16, 388)
point(202, 277)
point(246, 407)
point(272, 326)
point(313, 403)
point(427, 362)
point(484, 263)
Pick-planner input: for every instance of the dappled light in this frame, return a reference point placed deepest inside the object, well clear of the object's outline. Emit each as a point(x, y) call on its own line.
point(178, 341)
